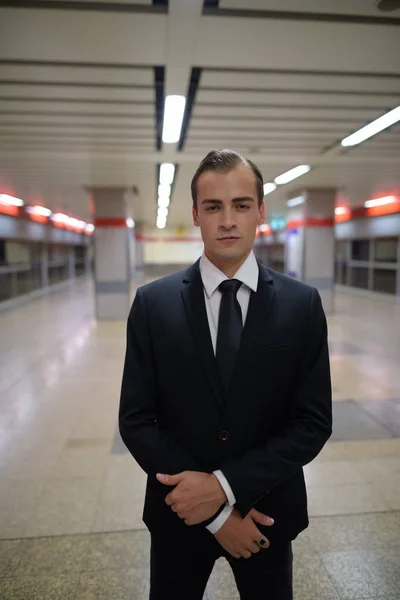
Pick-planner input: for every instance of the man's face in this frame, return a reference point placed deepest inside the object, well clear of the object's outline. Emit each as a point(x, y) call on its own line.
point(228, 212)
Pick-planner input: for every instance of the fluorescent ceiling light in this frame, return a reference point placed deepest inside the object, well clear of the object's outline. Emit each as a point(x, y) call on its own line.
point(173, 117)
point(268, 188)
point(89, 228)
point(292, 174)
point(296, 201)
point(167, 172)
point(341, 210)
point(59, 218)
point(163, 201)
point(161, 222)
point(390, 118)
point(10, 200)
point(162, 212)
point(38, 210)
point(164, 190)
point(130, 223)
point(380, 201)
point(75, 223)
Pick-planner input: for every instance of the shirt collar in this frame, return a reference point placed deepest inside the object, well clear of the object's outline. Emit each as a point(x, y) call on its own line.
point(212, 276)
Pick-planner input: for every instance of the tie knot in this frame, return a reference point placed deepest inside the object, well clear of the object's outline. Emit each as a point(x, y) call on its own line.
point(230, 285)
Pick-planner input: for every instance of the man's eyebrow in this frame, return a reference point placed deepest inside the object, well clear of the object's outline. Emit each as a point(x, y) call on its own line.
point(243, 199)
point(235, 200)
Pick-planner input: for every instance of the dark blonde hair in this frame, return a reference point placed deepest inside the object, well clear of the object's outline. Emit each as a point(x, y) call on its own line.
point(224, 161)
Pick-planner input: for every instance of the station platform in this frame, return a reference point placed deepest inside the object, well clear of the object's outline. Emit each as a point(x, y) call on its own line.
point(71, 495)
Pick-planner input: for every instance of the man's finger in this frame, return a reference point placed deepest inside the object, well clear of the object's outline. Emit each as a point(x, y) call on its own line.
point(170, 498)
point(169, 479)
point(260, 518)
point(254, 548)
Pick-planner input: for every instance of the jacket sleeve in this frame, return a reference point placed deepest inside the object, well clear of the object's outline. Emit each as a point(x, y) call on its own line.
point(154, 449)
point(309, 423)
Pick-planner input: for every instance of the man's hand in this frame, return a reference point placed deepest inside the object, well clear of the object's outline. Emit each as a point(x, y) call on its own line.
point(196, 497)
point(239, 536)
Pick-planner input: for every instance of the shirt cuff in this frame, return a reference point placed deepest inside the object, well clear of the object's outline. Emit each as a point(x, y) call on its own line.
point(220, 520)
point(226, 487)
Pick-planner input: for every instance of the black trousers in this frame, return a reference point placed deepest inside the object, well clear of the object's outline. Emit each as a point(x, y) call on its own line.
point(180, 570)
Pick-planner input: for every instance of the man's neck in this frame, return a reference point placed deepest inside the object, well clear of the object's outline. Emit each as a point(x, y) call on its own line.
point(229, 268)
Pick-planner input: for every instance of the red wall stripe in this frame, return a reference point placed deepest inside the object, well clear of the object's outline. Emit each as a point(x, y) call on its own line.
point(9, 209)
point(375, 211)
point(295, 223)
point(320, 222)
point(310, 222)
point(109, 222)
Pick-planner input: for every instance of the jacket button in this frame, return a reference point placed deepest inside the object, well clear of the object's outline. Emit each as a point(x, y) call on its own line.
point(224, 435)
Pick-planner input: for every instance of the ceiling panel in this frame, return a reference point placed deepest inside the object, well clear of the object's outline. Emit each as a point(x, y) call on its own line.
point(74, 94)
point(251, 134)
point(61, 73)
point(199, 124)
point(86, 120)
point(65, 108)
point(68, 130)
point(323, 113)
point(324, 7)
point(76, 36)
point(141, 2)
point(293, 99)
point(319, 83)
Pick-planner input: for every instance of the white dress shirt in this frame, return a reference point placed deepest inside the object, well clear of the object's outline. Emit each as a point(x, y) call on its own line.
point(212, 277)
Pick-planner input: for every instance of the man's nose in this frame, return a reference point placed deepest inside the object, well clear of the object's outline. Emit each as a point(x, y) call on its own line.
point(228, 219)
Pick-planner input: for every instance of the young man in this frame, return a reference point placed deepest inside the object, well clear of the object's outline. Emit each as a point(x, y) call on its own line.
point(226, 395)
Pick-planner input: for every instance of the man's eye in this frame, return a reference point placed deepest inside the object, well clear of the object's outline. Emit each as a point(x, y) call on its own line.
point(243, 206)
point(211, 208)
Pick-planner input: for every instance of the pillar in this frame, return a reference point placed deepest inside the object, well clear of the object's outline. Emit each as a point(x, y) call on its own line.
point(310, 244)
point(71, 262)
point(44, 265)
point(398, 268)
point(112, 253)
point(88, 256)
point(139, 251)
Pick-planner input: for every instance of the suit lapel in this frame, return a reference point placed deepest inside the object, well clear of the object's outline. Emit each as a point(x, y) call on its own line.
point(193, 297)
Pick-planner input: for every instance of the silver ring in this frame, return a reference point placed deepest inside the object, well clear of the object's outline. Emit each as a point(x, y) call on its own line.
point(262, 542)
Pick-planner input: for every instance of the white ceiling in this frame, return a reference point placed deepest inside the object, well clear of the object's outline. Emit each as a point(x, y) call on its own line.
point(341, 7)
point(283, 81)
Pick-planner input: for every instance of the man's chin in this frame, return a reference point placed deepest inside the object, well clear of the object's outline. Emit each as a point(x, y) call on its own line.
point(233, 254)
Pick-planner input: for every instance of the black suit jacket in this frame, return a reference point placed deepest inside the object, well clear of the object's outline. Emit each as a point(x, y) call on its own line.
point(276, 416)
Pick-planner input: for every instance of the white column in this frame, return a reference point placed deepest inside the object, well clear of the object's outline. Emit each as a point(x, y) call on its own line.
point(44, 265)
point(310, 249)
point(112, 253)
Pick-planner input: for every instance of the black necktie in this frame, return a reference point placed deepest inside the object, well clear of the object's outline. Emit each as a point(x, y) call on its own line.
point(230, 328)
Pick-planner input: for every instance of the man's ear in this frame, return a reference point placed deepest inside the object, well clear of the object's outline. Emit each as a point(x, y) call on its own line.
point(262, 213)
point(195, 217)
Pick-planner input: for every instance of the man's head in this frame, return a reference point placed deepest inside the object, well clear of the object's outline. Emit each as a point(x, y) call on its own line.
point(227, 193)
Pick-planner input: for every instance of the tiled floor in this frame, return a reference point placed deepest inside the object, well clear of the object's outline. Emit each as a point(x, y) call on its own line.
point(71, 496)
